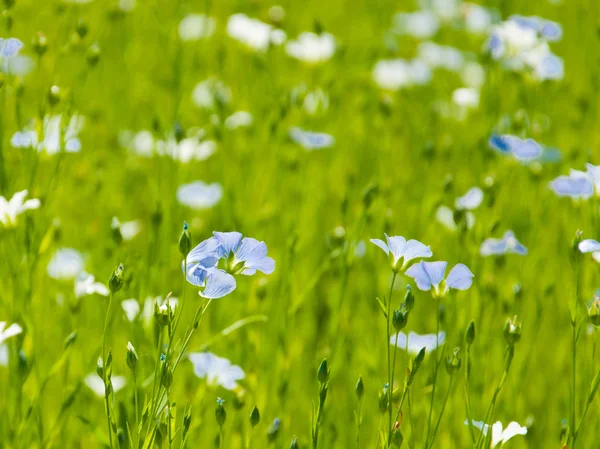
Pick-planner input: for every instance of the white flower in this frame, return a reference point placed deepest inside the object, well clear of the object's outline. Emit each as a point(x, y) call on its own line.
point(210, 93)
point(445, 216)
point(419, 24)
point(18, 65)
point(466, 97)
point(194, 27)
point(470, 200)
point(65, 264)
point(3, 355)
point(394, 74)
point(253, 33)
point(441, 56)
point(188, 149)
point(239, 119)
point(500, 435)
point(85, 285)
point(11, 209)
point(142, 143)
point(310, 140)
point(96, 384)
point(56, 136)
point(216, 370)
point(131, 307)
point(9, 332)
point(417, 342)
point(478, 19)
point(199, 195)
point(129, 229)
point(311, 47)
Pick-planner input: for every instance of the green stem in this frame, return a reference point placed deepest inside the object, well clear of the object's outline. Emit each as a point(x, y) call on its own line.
point(389, 358)
point(435, 372)
point(467, 396)
point(435, 429)
point(105, 378)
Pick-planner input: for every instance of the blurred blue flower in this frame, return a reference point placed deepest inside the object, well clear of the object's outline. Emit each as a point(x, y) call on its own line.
point(10, 47)
point(217, 370)
point(430, 275)
point(470, 200)
point(589, 246)
point(524, 150)
point(577, 185)
point(506, 245)
point(417, 342)
point(311, 140)
point(401, 251)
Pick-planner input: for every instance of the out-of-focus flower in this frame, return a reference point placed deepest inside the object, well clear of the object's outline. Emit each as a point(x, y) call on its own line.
point(394, 74)
point(253, 33)
point(446, 216)
point(508, 244)
point(96, 384)
point(499, 435)
point(129, 229)
point(466, 98)
point(239, 119)
point(472, 74)
point(470, 200)
point(131, 307)
point(417, 342)
point(9, 332)
point(578, 184)
point(310, 140)
point(549, 30)
point(441, 56)
point(477, 19)
point(85, 284)
point(199, 195)
point(523, 150)
point(216, 370)
point(9, 47)
point(51, 136)
point(210, 93)
point(194, 27)
point(311, 47)
point(17, 205)
point(65, 264)
point(419, 24)
point(429, 275)
point(401, 252)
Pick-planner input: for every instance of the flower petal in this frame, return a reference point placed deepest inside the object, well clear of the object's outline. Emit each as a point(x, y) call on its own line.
point(230, 241)
point(381, 244)
point(418, 273)
point(460, 277)
point(435, 271)
point(415, 249)
point(589, 245)
point(470, 200)
point(218, 284)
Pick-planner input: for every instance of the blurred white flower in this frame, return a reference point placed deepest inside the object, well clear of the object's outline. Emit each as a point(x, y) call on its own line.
point(499, 435)
point(65, 264)
point(473, 74)
point(3, 355)
point(216, 370)
point(445, 216)
point(96, 384)
point(310, 140)
point(253, 33)
point(239, 119)
point(131, 307)
point(466, 97)
point(194, 27)
point(18, 65)
point(417, 342)
point(470, 200)
point(477, 18)
point(190, 148)
point(55, 135)
point(419, 24)
point(85, 284)
point(316, 101)
point(129, 229)
point(199, 195)
point(11, 209)
point(9, 332)
point(312, 47)
point(394, 74)
point(441, 56)
point(210, 93)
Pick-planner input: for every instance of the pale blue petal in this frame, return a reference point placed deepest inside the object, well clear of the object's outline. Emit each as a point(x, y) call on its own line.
point(493, 247)
point(513, 245)
point(552, 67)
point(218, 284)
point(552, 31)
point(415, 249)
point(229, 242)
point(418, 273)
point(460, 277)
point(204, 249)
point(11, 47)
point(397, 245)
point(525, 150)
point(254, 254)
point(399, 340)
point(589, 246)
point(266, 265)
point(470, 200)
point(435, 271)
point(574, 187)
point(381, 244)
point(499, 143)
point(196, 274)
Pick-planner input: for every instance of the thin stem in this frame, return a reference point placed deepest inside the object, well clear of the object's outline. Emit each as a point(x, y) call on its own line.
point(467, 396)
point(441, 412)
point(105, 378)
point(137, 418)
point(573, 430)
point(435, 372)
point(389, 359)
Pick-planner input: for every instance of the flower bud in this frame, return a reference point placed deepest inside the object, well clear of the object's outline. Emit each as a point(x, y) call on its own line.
point(453, 362)
point(220, 413)
point(409, 299)
point(384, 399)
point(185, 240)
point(594, 312)
point(512, 331)
point(115, 231)
point(360, 388)
point(397, 437)
point(39, 44)
point(470, 333)
point(273, 430)
point(399, 319)
point(92, 55)
point(81, 28)
point(100, 368)
point(54, 95)
point(323, 372)
point(254, 416)
point(70, 339)
point(294, 444)
point(162, 314)
point(132, 357)
point(116, 279)
point(187, 421)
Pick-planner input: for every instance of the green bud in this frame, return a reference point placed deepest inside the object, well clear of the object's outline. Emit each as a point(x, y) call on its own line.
point(167, 375)
point(453, 362)
point(239, 400)
point(92, 55)
point(323, 372)
point(100, 368)
point(294, 444)
point(512, 331)
point(115, 231)
point(39, 44)
point(116, 279)
point(470, 333)
point(187, 420)
point(399, 319)
point(384, 399)
point(220, 413)
point(163, 314)
point(594, 312)
point(54, 95)
point(397, 437)
point(70, 339)
point(409, 299)
point(273, 430)
point(185, 240)
point(254, 416)
point(360, 388)
point(414, 366)
point(81, 28)
point(132, 357)
point(576, 241)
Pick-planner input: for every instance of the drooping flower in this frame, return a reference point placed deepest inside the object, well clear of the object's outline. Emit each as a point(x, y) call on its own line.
point(416, 342)
point(312, 47)
point(499, 435)
point(96, 384)
point(508, 244)
point(11, 209)
point(401, 252)
point(199, 195)
point(65, 264)
point(85, 284)
point(216, 370)
point(310, 140)
point(429, 275)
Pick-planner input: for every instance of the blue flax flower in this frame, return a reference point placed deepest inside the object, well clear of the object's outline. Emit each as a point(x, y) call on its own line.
point(429, 275)
point(401, 252)
point(506, 245)
point(523, 150)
